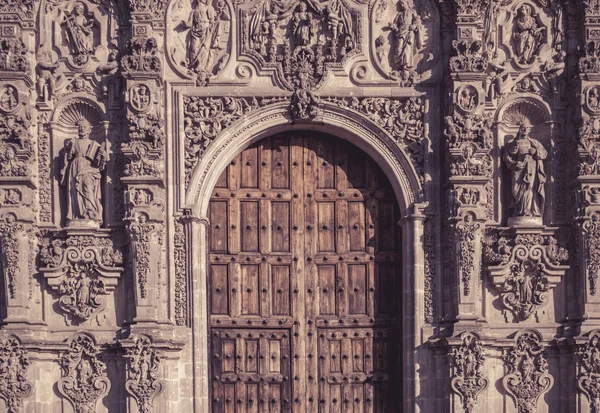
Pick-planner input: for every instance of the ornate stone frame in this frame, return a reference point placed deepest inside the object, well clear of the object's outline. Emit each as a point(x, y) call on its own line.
point(336, 121)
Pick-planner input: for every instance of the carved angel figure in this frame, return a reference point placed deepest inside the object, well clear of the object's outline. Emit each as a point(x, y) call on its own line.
point(526, 34)
point(203, 27)
point(83, 162)
point(407, 31)
point(525, 156)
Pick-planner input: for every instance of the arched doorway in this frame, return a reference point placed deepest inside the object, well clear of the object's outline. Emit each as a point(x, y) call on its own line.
point(304, 280)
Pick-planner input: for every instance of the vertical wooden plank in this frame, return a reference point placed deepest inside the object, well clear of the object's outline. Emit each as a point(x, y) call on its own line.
point(250, 167)
point(356, 226)
point(219, 289)
point(235, 286)
point(326, 288)
point(234, 226)
point(280, 163)
point(249, 293)
point(264, 287)
point(325, 227)
point(357, 289)
point(280, 226)
point(218, 223)
point(280, 276)
point(250, 228)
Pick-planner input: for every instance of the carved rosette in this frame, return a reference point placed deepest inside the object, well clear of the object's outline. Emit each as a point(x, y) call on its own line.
point(84, 381)
point(525, 267)
point(528, 378)
point(81, 270)
point(589, 379)
point(468, 380)
point(142, 373)
point(14, 386)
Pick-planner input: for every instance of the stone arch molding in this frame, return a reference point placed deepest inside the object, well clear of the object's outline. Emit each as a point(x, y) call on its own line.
point(337, 121)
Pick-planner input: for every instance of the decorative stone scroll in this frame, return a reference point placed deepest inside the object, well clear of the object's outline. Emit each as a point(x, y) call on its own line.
point(468, 381)
point(83, 381)
point(525, 265)
point(527, 379)
point(300, 36)
point(142, 373)
point(81, 269)
point(589, 379)
point(14, 386)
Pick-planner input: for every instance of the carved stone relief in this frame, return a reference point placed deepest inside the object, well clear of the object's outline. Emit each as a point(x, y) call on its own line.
point(300, 36)
point(199, 42)
point(468, 381)
point(402, 39)
point(14, 386)
point(589, 379)
point(84, 381)
point(181, 277)
point(525, 266)
point(142, 373)
point(527, 379)
point(81, 270)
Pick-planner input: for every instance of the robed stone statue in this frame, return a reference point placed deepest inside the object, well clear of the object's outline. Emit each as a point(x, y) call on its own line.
point(525, 156)
point(83, 162)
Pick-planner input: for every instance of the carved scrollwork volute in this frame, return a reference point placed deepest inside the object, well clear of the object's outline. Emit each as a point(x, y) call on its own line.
point(14, 386)
point(528, 378)
point(143, 363)
point(525, 266)
point(468, 359)
point(81, 270)
point(84, 381)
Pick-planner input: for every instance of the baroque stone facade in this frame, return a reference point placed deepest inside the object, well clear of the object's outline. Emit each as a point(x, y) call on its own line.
point(149, 150)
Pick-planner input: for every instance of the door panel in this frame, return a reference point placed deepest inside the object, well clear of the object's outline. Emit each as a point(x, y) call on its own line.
point(304, 280)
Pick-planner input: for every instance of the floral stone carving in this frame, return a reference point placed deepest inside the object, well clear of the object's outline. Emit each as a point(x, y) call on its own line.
point(287, 35)
point(84, 381)
point(13, 56)
point(527, 379)
point(81, 269)
point(589, 379)
point(14, 386)
point(145, 148)
point(16, 146)
point(468, 360)
point(143, 56)
point(591, 229)
point(525, 266)
point(142, 371)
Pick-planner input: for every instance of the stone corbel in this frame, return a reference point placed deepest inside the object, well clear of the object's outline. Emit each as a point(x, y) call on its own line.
point(525, 265)
point(147, 237)
point(16, 244)
point(81, 267)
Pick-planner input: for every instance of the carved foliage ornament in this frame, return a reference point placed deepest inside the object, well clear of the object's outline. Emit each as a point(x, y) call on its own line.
point(181, 284)
point(84, 381)
point(589, 145)
point(589, 380)
point(10, 232)
point(142, 371)
point(13, 56)
point(468, 57)
point(527, 379)
point(24, 8)
point(143, 56)
point(592, 234)
point(465, 236)
point(14, 386)
point(145, 148)
point(145, 235)
point(589, 62)
point(468, 359)
point(81, 270)
point(525, 268)
point(16, 145)
point(301, 36)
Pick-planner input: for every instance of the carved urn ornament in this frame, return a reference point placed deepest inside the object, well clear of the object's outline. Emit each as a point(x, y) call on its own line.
point(524, 156)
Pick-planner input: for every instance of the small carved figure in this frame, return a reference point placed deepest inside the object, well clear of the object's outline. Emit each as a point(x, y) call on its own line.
point(47, 78)
point(9, 98)
point(83, 162)
point(140, 97)
point(593, 100)
point(527, 35)
point(496, 75)
point(407, 31)
point(302, 28)
point(305, 104)
point(467, 99)
point(80, 32)
point(525, 156)
point(203, 26)
point(555, 70)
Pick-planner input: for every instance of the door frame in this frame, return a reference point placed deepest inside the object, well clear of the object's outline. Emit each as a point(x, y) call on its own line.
point(375, 142)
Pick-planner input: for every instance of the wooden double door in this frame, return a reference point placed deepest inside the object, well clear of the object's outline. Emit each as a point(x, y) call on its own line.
point(305, 281)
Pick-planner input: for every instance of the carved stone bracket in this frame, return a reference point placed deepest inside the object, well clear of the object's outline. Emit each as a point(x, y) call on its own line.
point(589, 379)
point(14, 386)
point(81, 267)
point(83, 381)
point(468, 359)
point(527, 379)
point(143, 362)
point(525, 264)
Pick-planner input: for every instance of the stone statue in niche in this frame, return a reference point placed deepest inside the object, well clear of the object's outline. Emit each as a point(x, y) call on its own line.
point(527, 35)
point(80, 33)
point(83, 162)
point(407, 31)
point(525, 156)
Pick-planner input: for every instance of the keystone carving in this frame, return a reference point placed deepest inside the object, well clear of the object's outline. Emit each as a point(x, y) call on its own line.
point(589, 379)
point(81, 270)
point(527, 379)
point(142, 374)
point(468, 380)
point(84, 381)
point(288, 35)
point(14, 386)
point(525, 267)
